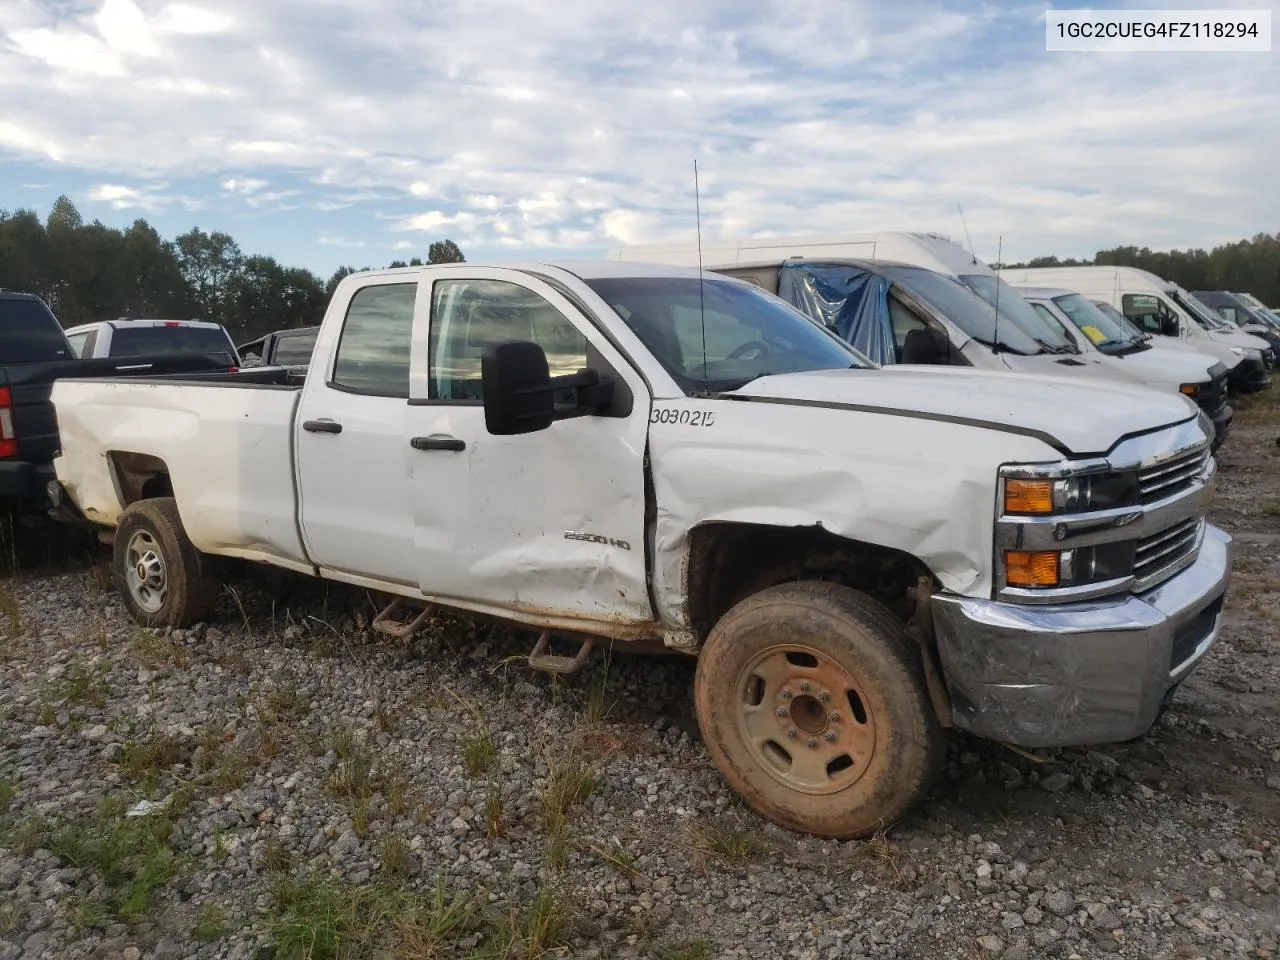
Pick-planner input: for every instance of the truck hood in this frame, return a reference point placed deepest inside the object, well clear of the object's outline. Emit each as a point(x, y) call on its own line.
point(1076, 416)
point(1238, 338)
point(1163, 366)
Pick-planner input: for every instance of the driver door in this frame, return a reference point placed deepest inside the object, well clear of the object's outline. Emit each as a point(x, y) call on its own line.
point(551, 522)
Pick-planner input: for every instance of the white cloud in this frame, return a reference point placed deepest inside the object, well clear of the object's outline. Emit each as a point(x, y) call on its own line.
point(246, 185)
point(326, 240)
point(514, 124)
point(122, 197)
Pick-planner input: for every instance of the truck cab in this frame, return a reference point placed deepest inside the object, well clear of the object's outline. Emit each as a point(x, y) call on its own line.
point(289, 348)
point(1195, 375)
point(137, 337)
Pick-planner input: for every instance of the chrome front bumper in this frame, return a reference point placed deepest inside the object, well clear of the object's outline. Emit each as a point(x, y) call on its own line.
point(1080, 673)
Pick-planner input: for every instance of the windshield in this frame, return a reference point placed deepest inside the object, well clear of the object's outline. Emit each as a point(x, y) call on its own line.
point(29, 333)
point(748, 333)
point(969, 312)
point(1260, 309)
point(1101, 329)
point(149, 341)
point(1245, 312)
point(1013, 306)
point(1201, 314)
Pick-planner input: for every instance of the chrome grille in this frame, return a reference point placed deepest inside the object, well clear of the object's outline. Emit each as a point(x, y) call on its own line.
point(1160, 554)
point(1171, 477)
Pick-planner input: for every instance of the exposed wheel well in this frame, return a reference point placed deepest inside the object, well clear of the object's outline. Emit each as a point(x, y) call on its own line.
point(139, 476)
point(729, 562)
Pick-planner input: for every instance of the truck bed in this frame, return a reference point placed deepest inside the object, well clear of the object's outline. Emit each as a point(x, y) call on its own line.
point(224, 442)
point(34, 422)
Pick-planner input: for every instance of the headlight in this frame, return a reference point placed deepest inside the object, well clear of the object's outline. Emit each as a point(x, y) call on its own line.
point(1039, 496)
point(1191, 389)
point(1248, 352)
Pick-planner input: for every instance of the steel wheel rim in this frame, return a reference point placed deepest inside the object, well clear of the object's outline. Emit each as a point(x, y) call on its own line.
point(804, 719)
point(145, 572)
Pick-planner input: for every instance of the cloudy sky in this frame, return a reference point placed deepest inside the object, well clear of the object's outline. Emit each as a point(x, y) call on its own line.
point(358, 131)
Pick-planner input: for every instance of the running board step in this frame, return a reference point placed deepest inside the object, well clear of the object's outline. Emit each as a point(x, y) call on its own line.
point(386, 622)
point(540, 659)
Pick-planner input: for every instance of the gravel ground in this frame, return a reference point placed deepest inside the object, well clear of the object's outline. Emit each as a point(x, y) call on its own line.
point(282, 783)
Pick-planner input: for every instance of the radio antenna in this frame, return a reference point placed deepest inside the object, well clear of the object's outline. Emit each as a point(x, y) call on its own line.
point(967, 238)
point(702, 303)
point(995, 327)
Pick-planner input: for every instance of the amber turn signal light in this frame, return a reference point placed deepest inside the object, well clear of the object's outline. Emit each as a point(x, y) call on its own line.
point(1031, 568)
point(1028, 496)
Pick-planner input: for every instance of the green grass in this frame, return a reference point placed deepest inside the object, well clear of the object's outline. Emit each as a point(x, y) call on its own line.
point(212, 925)
point(13, 916)
point(731, 843)
point(286, 704)
point(7, 792)
point(393, 853)
point(154, 755)
point(540, 930)
point(695, 950)
point(321, 919)
point(570, 782)
point(276, 858)
point(478, 752)
point(313, 919)
point(131, 857)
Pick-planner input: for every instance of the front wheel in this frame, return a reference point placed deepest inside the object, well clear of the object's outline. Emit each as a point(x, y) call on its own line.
point(811, 701)
point(160, 573)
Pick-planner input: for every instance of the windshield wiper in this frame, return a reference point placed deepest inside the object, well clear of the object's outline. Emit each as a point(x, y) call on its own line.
point(1050, 348)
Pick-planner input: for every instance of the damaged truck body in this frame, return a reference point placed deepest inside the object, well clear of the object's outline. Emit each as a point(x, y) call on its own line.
point(860, 557)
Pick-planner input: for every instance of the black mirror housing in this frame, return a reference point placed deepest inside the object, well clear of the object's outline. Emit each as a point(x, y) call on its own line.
point(517, 388)
point(520, 393)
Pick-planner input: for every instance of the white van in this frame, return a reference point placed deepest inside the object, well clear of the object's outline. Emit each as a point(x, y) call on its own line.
point(1165, 309)
point(1196, 375)
point(921, 282)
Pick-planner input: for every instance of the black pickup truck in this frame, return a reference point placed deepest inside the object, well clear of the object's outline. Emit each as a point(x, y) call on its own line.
point(33, 353)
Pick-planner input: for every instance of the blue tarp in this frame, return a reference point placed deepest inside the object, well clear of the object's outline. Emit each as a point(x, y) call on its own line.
point(850, 301)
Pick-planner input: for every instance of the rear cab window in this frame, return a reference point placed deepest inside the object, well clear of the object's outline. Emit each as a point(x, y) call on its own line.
point(150, 340)
point(29, 333)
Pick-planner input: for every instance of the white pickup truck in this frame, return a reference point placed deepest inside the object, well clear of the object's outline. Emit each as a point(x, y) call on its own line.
point(859, 557)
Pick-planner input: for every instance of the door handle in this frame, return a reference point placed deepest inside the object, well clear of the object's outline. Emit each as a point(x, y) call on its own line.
point(321, 426)
point(437, 443)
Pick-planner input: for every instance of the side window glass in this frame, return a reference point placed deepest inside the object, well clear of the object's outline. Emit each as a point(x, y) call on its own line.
point(1143, 310)
point(373, 351)
point(1047, 316)
point(77, 342)
point(904, 321)
point(469, 315)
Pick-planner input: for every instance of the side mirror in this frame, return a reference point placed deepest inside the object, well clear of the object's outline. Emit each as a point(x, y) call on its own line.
point(928, 346)
point(521, 396)
point(1169, 325)
point(517, 388)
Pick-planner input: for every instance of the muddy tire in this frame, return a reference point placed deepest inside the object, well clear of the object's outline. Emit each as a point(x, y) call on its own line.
point(163, 578)
point(811, 701)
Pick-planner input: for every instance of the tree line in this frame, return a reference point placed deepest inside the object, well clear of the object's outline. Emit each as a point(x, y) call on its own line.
point(89, 272)
point(1246, 266)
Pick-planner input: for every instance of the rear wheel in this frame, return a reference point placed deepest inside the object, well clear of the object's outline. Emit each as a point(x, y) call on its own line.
point(811, 700)
point(162, 577)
